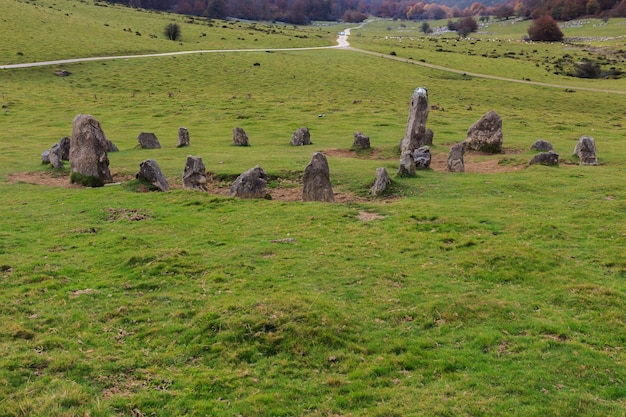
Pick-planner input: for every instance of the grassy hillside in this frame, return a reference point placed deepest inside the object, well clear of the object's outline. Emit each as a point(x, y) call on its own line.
point(499, 291)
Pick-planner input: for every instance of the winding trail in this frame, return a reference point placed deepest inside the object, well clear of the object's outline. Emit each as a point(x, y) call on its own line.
point(342, 43)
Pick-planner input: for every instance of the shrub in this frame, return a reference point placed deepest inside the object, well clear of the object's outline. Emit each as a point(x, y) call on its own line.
point(426, 28)
point(466, 25)
point(545, 29)
point(172, 31)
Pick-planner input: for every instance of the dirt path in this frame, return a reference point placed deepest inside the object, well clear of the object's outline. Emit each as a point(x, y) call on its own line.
point(342, 43)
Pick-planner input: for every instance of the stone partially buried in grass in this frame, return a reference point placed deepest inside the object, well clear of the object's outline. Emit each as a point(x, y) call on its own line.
point(148, 140)
point(194, 176)
point(545, 158)
point(301, 137)
point(150, 171)
point(455, 158)
point(88, 152)
point(381, 182)
point(183, 137)
point(250, 184)
point(486, 134)
point(240, 137)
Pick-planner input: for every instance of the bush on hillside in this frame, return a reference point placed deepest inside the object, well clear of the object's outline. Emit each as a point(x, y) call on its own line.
point(172, 31)
point(466, 25)
point(545, 29)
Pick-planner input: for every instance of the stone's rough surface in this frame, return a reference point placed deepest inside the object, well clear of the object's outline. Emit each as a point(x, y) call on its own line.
point(586, 151)
point(407, 165)
point(417, 135)
point(301, 137)
point(88, 149)
point(545, 158)
point(150, 171)
point(422, 157)
point(455, 158)
point(486, 134)
point(542, 145)
point(45, 156)
point(148, 140)
point(250, 184)
point(183, 137)
point(194, 175)
point(361, 141)
point(316, 180)
point(64, 145)
point(240, 137)
point(56, 159)
point(381, 183)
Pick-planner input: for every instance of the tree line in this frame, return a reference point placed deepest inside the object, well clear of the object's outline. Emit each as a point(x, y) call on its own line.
point(305, 11)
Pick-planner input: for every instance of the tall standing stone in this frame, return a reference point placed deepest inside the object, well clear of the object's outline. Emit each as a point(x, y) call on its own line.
point(150, 171)
point(194, 175)
point(148, 140)
point(486, 134)
point(240, 137)
point(301, 137)
point(316, 180)
point(455, 158)
point(88, 149)
point(417, 134)
point(586, 151)
point(183, 137)
point(250, 184)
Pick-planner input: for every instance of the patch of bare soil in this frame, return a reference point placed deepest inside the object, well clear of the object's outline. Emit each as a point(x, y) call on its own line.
point(366, 216)
point(55, 179)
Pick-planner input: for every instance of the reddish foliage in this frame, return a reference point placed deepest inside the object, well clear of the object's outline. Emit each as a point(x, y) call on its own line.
point(545, 29)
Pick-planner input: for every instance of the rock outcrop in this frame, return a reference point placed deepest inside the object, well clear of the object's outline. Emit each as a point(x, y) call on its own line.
point(486, 134)
point(316, 180)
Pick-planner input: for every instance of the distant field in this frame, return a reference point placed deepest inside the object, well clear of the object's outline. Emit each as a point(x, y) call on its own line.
point(500, 291)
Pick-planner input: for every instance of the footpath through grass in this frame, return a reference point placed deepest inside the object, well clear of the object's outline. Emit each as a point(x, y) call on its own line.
point(476, 294)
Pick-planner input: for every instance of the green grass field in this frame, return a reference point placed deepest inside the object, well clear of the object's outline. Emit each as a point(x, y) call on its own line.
point(500, 291)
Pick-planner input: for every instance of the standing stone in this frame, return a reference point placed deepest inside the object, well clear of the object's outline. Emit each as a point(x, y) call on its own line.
point(417, 134)
point(381, 183)
point(56, 156)
point(148, 140)
point(542, 145)
point(45, 157)
point(194, 175)
point(361, 141)
point(422, 157)
point(301, 137)
point(240, 137)
point(183, 137)
point(455, 158)
point(545, 158)
point(316, 180)
point(486, 134)
point(250, 184)
point(407, 165)
point(586, 151)
point(150, 171)
point(88, 154)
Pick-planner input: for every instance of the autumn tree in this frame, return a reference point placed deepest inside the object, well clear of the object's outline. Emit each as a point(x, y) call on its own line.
point(545, 29)
point(216, 9)
point(466, 25)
